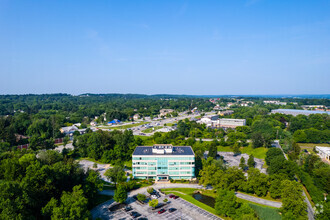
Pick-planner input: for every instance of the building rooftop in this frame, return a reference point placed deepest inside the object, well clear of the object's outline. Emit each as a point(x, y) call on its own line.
point(175, 150)
point(325, 150)
point(301, 111)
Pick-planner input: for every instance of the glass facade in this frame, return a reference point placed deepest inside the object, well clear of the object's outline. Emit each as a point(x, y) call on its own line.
point(160, 166)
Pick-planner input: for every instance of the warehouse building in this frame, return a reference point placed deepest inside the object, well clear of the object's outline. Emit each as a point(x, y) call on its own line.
point(296, 112)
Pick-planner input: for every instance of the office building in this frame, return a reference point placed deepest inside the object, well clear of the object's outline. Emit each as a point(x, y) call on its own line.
point(163, 162)
point(230, 122)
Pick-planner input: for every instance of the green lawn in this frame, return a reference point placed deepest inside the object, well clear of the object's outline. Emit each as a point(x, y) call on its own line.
point(265, 213)
point(147, 141)
point(312, 145)
point(128, 126)
point(257, 152)
point(309, 146)
point(128, 164)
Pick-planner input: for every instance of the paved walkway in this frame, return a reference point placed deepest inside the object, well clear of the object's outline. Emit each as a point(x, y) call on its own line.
point(258, 200)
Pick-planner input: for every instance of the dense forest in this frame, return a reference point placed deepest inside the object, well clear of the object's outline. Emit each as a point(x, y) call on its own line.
point(39, 183)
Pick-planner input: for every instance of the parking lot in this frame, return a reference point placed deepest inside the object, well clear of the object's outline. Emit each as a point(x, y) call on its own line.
point(183, 210)
point(234, 160)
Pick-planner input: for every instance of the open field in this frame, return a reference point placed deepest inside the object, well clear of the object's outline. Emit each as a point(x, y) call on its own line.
point(148, 141)
point(265, 213)
point(257, 152)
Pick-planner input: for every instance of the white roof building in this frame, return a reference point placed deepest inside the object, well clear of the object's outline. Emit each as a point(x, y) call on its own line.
point(69, 129)
point(323, 152)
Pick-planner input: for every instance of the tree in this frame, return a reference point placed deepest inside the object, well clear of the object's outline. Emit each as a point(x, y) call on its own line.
point(275, 188)
point(279, 165)
point(300, 136)
point(251, 163)
point(92, 185)
point(73, 205)
point(226, 203)
point(293, 201)
point(257, 182)
point(11, 201)
point(213, 150)
point(66, 140)
point(271, 153)
point(236, 149)
point(245, 212)
point(120, 194)
point(49, 156)
point(242, 164)
point(257, 140)
point(115, 174)
point(150, 190)
point(141, 197)
point(95, 165)
point(165, 200)
point(153, 203)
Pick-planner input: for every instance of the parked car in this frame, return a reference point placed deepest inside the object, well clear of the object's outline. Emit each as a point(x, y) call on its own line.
point(135, 214)
point(175, 197)
point(128, 208)
point(172, 210)
point(161, 211)
point(153, 196)
point(171, 195)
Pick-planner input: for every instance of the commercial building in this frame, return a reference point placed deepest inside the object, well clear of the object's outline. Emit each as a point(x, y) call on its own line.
point(307, 107)
point(296, 112)
point(227, 112)
point(164, 112)
point(323, 152)
point(136, 117)
point(275, 102)
point(69, 130)
point(209, 118)
point(230, 122)
point(163, 162)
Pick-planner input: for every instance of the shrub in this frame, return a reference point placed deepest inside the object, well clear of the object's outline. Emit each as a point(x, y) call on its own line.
point(150, 190)
point(141, 197)
point(153, 203)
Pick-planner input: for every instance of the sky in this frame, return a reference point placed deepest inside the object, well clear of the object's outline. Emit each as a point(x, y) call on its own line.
point(201, 47)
